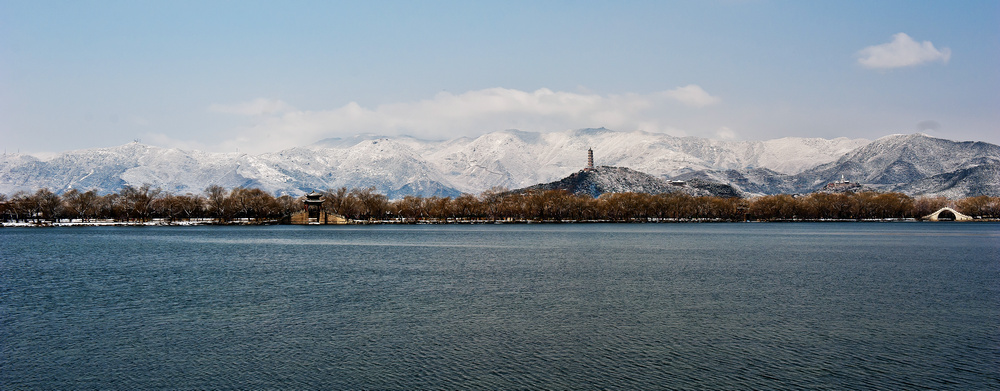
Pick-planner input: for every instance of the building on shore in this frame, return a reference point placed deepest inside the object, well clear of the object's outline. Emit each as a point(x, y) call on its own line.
point(313, 212)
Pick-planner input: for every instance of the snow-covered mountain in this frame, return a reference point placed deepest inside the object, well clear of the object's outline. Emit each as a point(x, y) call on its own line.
point(912, 164)
point(512, 159)
point(516, 159)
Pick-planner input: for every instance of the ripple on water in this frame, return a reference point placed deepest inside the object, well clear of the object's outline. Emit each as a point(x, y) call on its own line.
point(688, 306)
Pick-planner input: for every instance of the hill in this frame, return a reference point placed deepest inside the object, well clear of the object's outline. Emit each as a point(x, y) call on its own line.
point(606, 179)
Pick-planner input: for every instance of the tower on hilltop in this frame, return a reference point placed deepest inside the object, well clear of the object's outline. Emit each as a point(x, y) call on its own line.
point(590, 160)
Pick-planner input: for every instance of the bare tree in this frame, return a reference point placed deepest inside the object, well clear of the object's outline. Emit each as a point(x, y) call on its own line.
point(410, 208)
point(190, 205)
point(5, 208)
point(82, 205)
point(336, 201)
point(287, 205)
point(48, 203)
point(219, 204)
point(980, 206)
point(924, 206)
point(138, 201)
point(466, 206)
point(373, 204)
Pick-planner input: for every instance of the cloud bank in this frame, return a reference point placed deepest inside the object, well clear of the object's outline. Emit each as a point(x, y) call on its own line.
point(692, 95)
point(446, 115)
point(903, 51)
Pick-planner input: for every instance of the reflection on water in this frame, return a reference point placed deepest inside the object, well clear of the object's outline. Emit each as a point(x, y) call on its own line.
point(717, 306)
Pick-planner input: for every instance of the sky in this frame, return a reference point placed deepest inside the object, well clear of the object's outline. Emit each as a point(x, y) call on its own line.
point(261, 76)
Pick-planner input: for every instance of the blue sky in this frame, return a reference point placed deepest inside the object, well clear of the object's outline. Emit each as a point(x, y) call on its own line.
point(265, 75)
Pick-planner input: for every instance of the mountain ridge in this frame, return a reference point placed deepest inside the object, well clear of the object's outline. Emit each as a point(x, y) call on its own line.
point(399, 166)
point(891, 163)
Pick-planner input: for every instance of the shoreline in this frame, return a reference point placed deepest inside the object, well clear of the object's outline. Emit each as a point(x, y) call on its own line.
point(203, 223)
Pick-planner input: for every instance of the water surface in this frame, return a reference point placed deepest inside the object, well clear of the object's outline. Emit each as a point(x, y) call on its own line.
point(623, 306)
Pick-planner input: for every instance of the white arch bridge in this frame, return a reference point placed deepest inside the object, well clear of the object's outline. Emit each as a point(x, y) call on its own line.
point(946, 213)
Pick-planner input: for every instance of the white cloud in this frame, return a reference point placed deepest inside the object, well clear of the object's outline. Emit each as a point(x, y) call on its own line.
point(448, 115)
point(725, 133)
point(692, 95)
point(256, 107)
point(903, 51)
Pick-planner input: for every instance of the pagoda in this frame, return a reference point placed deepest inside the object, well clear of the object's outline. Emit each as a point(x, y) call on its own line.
point(313, 213)
point(590, 160)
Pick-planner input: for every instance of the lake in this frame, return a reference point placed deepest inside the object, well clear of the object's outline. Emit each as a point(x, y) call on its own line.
point(551, 306)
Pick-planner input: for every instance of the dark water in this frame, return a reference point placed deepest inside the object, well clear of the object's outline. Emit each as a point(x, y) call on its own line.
point(657, 306)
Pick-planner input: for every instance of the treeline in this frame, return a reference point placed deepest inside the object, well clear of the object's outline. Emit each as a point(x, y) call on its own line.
point(145, 203)
point(247, 205)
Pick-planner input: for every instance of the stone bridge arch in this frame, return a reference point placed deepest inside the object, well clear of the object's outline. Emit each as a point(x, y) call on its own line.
point(942, 213)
